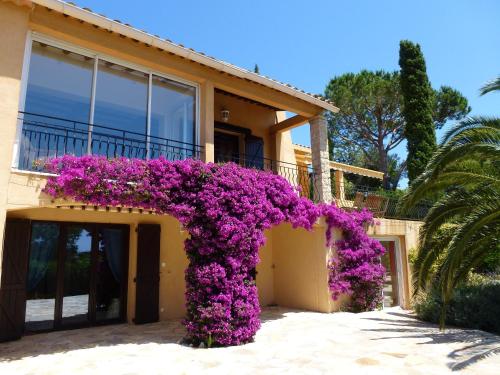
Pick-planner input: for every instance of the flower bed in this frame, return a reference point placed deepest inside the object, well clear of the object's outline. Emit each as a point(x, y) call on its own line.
point(225, 208)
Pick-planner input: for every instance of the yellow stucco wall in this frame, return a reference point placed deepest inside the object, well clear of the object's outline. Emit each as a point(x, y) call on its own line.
point(292, 271)
point(300, 273)
point(293, 268)
point(247, 115)
point(265, 272)
point(173, 260)
point(13, 29)
point(406, 232)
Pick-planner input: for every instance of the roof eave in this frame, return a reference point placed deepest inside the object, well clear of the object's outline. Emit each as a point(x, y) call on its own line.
point(147, 38)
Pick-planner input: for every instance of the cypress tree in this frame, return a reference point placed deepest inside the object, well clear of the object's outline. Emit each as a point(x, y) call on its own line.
point(417, 108)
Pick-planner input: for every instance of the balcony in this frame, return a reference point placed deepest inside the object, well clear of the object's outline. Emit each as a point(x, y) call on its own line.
point(300, 176)
point(382, 203)
point(44, 137)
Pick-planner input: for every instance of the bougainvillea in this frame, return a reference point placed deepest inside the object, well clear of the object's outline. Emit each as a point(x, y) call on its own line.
point(355, 269)
point(225, 208)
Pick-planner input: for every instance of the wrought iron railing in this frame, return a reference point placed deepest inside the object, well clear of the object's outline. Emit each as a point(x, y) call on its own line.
point(382, 203)
point(299, 176)
point(46, 137)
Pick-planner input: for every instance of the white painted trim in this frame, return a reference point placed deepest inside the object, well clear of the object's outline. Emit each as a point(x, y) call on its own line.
point(148, 115)
point(33, 173)
point(22, 100)
point(92, 104)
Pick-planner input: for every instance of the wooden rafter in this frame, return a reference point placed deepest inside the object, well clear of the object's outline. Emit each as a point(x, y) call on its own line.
point(289, 123)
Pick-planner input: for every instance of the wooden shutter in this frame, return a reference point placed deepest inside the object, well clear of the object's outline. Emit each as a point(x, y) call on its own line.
point(147, 274)
point(13, 281)
point(254, 151)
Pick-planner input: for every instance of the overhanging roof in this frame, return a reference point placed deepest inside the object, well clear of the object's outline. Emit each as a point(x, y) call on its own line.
point(87, 15)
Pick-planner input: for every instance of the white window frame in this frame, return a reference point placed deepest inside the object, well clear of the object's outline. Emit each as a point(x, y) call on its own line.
point(34, 36)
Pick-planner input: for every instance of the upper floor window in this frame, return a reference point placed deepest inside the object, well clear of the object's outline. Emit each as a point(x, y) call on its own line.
point(109, 109)
point(59, 83)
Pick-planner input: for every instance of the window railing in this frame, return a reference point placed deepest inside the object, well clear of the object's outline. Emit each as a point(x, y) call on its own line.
point(44, 137)
point(382, 203)
point(299, 176)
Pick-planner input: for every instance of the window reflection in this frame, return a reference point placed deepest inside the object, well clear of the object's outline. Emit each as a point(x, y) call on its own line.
point(59, 83)
point(77, 275)
point(109, 273)
point(172, 117)
point(42, 277)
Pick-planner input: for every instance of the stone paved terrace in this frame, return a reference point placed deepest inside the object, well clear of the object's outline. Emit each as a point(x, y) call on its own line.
point(290, 342)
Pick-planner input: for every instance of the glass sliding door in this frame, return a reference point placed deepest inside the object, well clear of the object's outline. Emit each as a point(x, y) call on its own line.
point(77, 275)
point(42, 277)
point(77, 265)
point(59, 83)
point(121, 102)
point(57, 105)
point(173, 113)
point(109, 273)
point(76, 99)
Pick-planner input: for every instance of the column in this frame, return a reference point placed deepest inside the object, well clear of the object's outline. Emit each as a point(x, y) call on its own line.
point(339, 186)
point(207, 121)
point(320, 159)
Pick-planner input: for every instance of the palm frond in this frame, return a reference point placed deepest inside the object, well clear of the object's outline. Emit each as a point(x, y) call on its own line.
point(493, 85)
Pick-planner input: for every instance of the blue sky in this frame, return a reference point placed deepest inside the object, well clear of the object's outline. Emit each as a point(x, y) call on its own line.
point(306, 43)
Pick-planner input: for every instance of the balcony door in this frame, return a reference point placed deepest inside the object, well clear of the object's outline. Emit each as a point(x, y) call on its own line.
point(79, 103)
point(226, 147)
point(237, 144)
point(77, 275)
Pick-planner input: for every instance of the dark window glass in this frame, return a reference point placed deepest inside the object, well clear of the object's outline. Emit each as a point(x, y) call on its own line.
point(42, 277)
point(76, 275)
point(109, 273)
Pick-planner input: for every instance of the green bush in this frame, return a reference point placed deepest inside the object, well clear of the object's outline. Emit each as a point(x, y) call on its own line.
point(475, 304)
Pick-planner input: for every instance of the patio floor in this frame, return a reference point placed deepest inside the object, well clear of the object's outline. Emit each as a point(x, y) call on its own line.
point(291, 342)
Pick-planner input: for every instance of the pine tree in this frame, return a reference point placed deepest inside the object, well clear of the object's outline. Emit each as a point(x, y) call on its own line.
point(417, 108)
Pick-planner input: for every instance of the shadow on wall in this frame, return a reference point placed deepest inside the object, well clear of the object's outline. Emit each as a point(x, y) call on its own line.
point(481, 344)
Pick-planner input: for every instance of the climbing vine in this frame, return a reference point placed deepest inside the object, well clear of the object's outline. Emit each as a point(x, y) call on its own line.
point(225, 209)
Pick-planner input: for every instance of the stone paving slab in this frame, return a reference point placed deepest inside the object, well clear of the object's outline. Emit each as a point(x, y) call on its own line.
point(289, 342)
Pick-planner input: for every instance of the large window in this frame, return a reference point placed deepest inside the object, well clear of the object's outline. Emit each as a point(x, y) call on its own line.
point(81, 104)
point(172, 110)
point(59, 83)
point(77, 274)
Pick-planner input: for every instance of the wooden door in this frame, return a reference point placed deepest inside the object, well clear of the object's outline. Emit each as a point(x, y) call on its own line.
point(13, 281)
point(147, 274)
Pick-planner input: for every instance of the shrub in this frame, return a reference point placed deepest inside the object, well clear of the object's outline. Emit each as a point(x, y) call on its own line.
point(474, 304)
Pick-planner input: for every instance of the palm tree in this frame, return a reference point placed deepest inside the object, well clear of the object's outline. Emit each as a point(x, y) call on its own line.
point(463, 178)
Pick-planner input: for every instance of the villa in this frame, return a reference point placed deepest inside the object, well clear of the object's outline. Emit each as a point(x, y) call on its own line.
point(76, 82)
